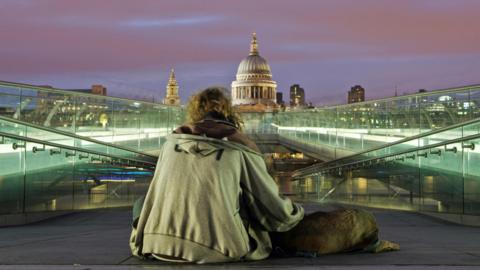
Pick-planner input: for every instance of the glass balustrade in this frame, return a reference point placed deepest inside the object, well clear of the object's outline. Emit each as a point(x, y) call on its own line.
point(143, 125)
point(39, 176)
point(441, 177)
point(43, 170)
point(457, 131)
point(362, 126)
point(11, 126)
point(135, 124)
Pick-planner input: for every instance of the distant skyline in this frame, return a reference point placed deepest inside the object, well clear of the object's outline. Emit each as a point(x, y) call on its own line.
point(325, 46)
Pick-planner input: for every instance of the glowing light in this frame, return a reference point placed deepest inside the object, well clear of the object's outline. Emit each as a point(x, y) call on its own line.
point(362, 185)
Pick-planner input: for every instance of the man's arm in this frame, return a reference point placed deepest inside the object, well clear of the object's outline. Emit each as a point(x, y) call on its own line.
point(263, 200)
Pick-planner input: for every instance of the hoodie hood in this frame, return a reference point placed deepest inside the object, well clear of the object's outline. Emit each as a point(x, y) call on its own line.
point(210, 128)
point(217, 129)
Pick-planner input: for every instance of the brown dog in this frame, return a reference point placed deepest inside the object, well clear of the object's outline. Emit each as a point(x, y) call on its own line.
point(333, 232)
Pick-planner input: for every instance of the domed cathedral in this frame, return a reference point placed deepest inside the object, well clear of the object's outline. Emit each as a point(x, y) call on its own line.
point(172, 97)
point(254, 85)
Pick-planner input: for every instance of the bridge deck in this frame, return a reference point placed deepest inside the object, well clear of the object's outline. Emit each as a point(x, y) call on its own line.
point(99, 240)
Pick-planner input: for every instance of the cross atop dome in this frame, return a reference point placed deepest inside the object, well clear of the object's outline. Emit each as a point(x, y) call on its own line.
point(254, 45)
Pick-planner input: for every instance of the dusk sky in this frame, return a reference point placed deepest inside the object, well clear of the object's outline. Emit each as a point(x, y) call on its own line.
point(325, 46)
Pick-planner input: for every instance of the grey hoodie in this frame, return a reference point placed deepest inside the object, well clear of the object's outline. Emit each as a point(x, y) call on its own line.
point(211, 200)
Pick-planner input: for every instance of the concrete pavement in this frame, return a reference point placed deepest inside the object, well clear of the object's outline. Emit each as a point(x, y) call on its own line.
point(99, 240)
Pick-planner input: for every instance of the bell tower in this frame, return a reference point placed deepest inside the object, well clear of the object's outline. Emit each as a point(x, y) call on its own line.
point(171, 97)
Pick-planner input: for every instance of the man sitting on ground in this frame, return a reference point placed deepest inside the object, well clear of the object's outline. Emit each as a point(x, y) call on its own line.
point(212, 200)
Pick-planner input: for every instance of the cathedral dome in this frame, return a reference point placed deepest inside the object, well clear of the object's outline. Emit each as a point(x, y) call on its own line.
point(254, 84)
point(253, 64)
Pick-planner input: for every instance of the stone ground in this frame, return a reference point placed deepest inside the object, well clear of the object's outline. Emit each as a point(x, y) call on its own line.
point(99, 240)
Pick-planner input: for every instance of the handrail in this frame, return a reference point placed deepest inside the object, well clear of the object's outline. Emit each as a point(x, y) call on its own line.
point(76, 136)
point(93, 152)
point(421, 135)
point(328, 193)
point(63, 91)
point(416, 149)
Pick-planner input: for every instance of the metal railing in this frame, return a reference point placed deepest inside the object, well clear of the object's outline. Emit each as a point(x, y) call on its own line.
point(458, 130)
point(39, 176)
point(441, 177)
point(65, 138)
point(367, 125)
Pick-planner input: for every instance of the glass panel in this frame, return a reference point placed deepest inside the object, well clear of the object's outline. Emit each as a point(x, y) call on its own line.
point(84, 182)
point(51, 136)
point(471, 190)
point(9, 105)
point(37, 177)
point(48, 178)
point(12, 128)
point(149, 128)
point(94, 118)
point(103, 182)
point(54, 110)
point(442, 180)
point(473, 110)
point(137, 124)
point(12, 176)
point(401, 180)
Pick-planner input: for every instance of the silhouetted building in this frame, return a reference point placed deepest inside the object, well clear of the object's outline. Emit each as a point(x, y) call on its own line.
point(356, 94)
point(422, 91)
point(97, 89)
point(297, 96)
point(280, 98)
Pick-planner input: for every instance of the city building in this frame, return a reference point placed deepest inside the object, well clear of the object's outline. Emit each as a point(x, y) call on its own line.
point(99, 89)
point(297, 96)
point(96, 89)
point(254, 84)
point(171, 97)
point(280, 98)
point(356, 94)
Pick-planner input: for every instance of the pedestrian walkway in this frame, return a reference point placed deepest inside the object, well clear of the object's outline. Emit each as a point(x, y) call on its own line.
point(99, 240)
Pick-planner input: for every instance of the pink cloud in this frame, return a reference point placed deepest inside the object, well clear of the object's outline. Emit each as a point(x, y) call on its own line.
point(44, 38)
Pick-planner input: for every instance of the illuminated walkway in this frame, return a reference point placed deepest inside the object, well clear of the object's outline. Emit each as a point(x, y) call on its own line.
point(45, 132)
point(99, 240)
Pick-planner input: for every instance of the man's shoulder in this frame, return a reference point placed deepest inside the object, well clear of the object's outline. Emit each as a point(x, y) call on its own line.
point(186, 138)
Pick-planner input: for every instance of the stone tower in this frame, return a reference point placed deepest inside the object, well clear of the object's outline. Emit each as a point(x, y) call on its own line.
point(172, 97)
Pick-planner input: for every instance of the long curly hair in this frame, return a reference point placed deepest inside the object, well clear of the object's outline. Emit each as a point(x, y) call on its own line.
point(212, 100)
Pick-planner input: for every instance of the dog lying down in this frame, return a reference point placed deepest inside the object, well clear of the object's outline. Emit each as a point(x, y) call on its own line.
point(338, 231)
